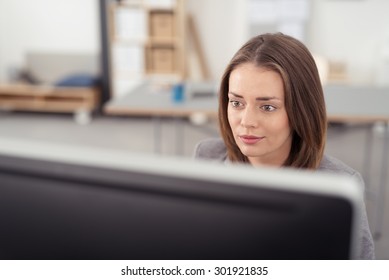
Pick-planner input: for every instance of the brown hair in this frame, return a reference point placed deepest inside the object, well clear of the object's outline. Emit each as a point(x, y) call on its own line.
point(304, 100)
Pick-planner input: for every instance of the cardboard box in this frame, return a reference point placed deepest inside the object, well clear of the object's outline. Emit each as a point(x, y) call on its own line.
point(162, 24)
point(161, 60)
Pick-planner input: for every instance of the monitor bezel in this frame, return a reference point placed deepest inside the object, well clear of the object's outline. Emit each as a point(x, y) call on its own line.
point(37, 157)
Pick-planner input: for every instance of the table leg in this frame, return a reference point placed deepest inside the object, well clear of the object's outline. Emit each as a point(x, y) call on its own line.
point(367, 158)
point(380, 206)
point(179, 136)
point(157, 135)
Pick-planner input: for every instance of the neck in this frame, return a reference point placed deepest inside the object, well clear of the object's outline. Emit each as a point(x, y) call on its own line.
point(258, 162)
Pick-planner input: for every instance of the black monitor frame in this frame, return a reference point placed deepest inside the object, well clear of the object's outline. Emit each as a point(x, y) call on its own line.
point(60, 202)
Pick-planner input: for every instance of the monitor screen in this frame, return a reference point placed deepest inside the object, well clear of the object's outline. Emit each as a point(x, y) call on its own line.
point(60, 202)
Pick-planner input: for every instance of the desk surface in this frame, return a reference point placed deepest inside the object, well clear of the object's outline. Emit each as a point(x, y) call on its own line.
point(357, 103)
point(344, 104)
point(144, 101)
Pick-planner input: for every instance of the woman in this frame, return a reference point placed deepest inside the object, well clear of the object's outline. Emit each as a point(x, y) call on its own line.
point(272, 113)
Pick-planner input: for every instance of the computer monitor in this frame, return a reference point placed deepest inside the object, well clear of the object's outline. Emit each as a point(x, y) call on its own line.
point(60, 202)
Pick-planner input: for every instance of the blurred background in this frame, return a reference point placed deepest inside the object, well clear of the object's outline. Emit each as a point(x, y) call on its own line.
point(353, 33)
point(70, 70)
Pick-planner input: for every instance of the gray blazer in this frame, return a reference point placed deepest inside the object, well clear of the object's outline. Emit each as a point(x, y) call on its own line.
point(215, 150)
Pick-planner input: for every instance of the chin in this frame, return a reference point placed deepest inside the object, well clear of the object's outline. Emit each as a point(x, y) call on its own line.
point(249, 151)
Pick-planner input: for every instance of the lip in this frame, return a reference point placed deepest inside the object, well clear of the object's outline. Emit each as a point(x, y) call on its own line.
point(250, 139)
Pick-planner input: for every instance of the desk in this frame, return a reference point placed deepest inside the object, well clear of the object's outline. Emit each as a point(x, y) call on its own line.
point(147, 101)
point(157, 102)
point(357, 104)
point(344, 104)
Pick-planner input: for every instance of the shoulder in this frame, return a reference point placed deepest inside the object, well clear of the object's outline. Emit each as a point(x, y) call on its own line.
point(334, 165)
point(211, 149)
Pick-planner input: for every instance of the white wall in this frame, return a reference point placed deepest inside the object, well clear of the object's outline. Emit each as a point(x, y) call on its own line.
point(345, 30)
point(46, 25)
point(351, 31)
point(222, 28)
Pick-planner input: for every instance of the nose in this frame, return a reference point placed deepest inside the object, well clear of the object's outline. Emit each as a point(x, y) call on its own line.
point(248, 118)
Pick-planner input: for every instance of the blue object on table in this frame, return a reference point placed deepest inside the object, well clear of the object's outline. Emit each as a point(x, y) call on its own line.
point(79, 80)
point(178, 95)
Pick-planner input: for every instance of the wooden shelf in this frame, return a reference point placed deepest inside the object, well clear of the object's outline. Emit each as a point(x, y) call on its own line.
point(155, 49)
point(48, 98)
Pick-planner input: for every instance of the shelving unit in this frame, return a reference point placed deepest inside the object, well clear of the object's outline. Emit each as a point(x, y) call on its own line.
point(81, 101)
point(146, 41)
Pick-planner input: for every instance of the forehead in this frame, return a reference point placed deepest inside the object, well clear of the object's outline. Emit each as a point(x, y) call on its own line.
point(250, 80)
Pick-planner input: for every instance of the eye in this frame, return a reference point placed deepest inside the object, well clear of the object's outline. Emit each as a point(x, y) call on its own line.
point(235, 103)
point(268, 108)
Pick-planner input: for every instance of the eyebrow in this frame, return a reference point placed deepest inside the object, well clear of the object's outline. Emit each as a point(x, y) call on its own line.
point(263, 98)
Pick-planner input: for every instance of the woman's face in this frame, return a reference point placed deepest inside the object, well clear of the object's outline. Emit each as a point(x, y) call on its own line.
point(257, 115)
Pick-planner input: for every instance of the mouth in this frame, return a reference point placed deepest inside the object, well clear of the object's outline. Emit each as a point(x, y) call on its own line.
point(250, 139)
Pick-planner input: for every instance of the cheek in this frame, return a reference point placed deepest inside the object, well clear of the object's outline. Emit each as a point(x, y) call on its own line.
point(231, 124)
point(230, 116)
point(283, 124)
point(233, 118)
point(278, 124)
